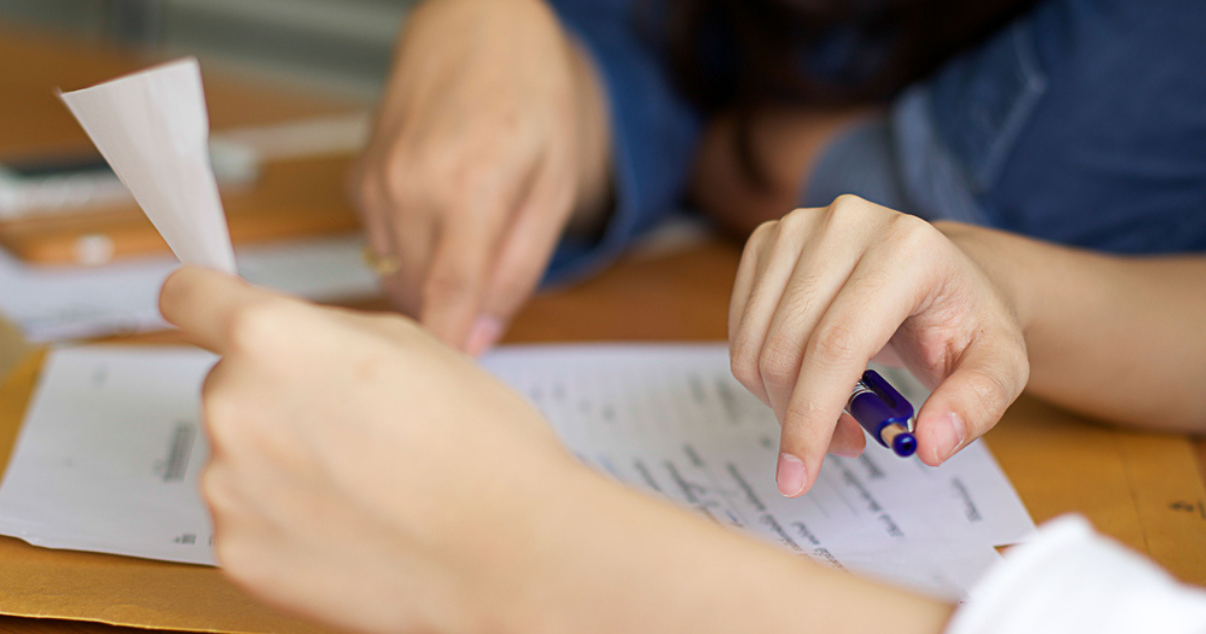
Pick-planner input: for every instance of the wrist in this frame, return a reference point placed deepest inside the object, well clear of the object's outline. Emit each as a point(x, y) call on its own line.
point(998, 257)
point(604, 558)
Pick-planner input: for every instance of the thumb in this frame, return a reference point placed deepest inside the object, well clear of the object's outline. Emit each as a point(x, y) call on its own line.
point(970, 401)
point(208, 305)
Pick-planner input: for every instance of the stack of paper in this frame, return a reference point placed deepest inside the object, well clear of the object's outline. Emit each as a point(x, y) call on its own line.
point(112, 446)
point(55, 303)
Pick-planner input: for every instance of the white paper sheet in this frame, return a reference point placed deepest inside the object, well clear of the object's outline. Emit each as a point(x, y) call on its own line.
point(109, 456)
point(670, 419)
point(666, 419)
point(58, 303)
point(153, 129)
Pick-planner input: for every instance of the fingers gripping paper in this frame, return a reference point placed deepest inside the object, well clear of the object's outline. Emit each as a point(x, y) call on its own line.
point(153, 129)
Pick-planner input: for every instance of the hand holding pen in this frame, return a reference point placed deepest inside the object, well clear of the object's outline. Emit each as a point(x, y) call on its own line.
point(822, 292)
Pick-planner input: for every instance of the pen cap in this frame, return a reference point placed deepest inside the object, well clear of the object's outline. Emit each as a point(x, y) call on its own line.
point(882, 404)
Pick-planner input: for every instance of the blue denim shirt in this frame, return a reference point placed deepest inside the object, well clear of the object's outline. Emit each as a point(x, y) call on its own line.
point(1083, 122)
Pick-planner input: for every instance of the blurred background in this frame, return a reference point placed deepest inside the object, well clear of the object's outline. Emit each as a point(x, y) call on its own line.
point(340, 45)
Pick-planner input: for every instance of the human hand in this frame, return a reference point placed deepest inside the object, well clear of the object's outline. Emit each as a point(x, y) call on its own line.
point(822, 292)
point(491, 137)
point(361, 473)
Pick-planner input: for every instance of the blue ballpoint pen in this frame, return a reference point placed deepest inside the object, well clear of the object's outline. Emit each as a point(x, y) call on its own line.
point(884, 413)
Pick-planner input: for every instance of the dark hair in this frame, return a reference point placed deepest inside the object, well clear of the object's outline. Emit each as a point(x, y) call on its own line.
point(743, 55)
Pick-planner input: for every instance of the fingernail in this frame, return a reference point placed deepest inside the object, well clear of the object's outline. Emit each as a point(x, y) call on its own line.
point(484, 333)
point(948, 435)
point(845, 452)
point(789, 475)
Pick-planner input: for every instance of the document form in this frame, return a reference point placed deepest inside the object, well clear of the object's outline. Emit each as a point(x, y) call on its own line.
point(111, 449)
point(109, 455)
point(671, 420)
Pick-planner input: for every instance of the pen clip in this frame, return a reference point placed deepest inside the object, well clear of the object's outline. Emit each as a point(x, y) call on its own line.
point(896, 403)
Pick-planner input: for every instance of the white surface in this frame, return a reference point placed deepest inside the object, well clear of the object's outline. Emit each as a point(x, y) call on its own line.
point(109, 456)
point(56, 303)
point(153, 129)
point(1070, 579)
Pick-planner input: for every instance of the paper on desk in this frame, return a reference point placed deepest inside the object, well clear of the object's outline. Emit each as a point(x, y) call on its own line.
point(153, 129)
point(108, 458)
point(56, 303)
point(671, 419)
point(109, 425)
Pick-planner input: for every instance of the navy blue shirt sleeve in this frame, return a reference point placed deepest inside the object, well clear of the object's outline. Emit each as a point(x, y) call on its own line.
point(654, 129)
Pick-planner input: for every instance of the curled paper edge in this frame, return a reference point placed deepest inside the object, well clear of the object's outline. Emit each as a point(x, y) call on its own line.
point(152, 128)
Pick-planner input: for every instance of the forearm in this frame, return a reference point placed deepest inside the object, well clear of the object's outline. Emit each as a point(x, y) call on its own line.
point(1116, 338)
point(613, 560)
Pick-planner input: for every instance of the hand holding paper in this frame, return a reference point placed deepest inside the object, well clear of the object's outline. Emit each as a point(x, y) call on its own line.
point(153, 129)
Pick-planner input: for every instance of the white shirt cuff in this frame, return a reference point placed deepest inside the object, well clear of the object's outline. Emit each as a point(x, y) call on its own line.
point(1069, 579)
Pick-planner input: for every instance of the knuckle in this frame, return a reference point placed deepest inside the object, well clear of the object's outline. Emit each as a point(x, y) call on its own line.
point(1021, 364)
point(767, 228)
point(794, 222)
point(847, 202)
point(396, 164)
point(743, 362)
point(991, 390)
point(798, 305)
point(256, 326)
point(217, 492)
point(447, 284)
point(761, 238)
point(848, 211)
point(911, 232)
point(397, 189)
point(1017, 372)
point(222, 413)
point(779, 362)
point(836, 343)
point(800, 226)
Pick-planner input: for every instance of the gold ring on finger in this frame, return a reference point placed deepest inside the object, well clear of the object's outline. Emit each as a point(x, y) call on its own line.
point(382, 265)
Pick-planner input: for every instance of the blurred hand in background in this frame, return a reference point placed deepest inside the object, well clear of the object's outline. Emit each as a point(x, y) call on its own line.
point(491, 139)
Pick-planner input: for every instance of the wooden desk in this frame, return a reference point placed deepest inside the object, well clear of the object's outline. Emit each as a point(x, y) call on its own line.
point(684, 297)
